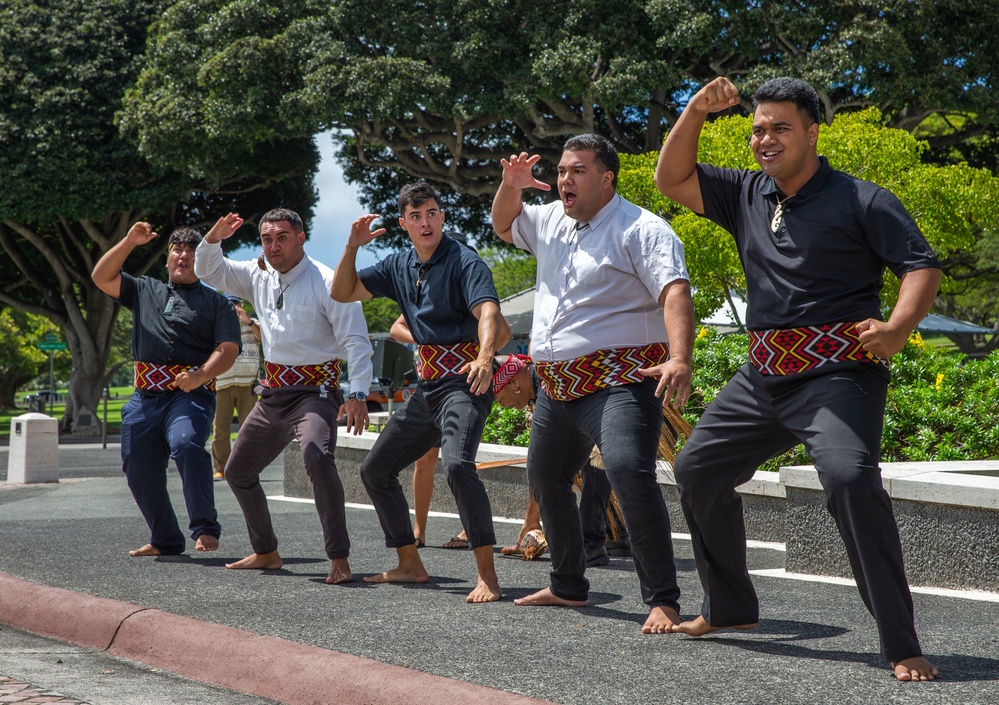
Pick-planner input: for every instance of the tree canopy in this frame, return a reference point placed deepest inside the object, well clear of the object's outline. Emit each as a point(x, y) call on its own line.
point(442, 90)
point(956, 207)
point(72, 183)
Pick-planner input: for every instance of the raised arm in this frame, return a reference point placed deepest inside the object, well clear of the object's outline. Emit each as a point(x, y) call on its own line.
point(211, 266)
point(676, 175)
point(346, 286)
point(494, 333)
point(517, 175)
point(107, 272)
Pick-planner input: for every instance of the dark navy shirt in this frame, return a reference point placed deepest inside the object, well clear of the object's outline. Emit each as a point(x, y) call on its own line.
point(452, 282)
point(177, 324)
point(826, 262)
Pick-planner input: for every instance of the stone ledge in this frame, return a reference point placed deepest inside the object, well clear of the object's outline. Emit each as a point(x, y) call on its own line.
point(947, 513)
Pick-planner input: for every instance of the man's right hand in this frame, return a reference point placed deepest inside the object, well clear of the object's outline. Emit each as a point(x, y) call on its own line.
point(140, 233)
point(720, 94)
point(518, 172)
point(361, 233)
point(224, 228)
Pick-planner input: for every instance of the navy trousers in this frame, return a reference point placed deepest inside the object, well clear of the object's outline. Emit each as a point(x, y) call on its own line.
point(155, 428)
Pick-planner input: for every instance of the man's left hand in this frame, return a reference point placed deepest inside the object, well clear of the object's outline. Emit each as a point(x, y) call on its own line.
point(674, 382)
point(480, 375)
point(881, 338)
point(190, 380)
point(356, 412)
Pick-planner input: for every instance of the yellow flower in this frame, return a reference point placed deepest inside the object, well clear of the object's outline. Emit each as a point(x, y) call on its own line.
point(702, 333)
point(940, 379)
point(917, 340)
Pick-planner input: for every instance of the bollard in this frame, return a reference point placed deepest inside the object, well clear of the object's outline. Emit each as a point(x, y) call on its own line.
point(34, 449)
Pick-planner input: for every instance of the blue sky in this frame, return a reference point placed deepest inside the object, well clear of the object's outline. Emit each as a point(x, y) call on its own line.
point(337, 208)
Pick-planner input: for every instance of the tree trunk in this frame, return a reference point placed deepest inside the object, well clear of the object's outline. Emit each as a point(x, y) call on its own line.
point(90, 346)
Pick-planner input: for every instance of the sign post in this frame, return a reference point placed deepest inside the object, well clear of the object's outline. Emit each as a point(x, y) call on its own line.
point(51, 343)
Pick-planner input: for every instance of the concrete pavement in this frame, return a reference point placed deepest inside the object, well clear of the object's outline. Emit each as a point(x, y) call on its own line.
point(286, 636)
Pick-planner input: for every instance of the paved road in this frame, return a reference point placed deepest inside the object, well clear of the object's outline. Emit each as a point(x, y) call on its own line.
point(815, 644)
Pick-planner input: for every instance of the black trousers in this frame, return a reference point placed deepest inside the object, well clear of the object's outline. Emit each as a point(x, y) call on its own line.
point(838, 416)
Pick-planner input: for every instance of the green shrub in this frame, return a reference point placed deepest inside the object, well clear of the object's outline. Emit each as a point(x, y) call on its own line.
point(941, 405)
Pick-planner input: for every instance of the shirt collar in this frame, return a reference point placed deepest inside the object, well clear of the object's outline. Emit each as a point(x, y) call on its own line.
point(443, 248)
point(603, 213)
point(293, 273)
point(769, 188)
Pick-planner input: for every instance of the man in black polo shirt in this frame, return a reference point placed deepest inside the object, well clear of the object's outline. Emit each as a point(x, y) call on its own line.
point(183, 335)
point(814, 243)
point(448, 299)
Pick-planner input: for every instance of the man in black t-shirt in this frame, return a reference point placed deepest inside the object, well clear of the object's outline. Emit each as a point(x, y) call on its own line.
point(183, 335)
point(814, 243)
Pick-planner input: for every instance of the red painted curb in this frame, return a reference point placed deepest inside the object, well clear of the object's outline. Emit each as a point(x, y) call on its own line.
point(268, 667)
point(81, 619)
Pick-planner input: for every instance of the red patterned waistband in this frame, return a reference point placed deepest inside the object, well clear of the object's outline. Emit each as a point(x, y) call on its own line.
point(566, 380)
point(154, 377)
point(787, 351)
point(437, 361)
point(276, 375)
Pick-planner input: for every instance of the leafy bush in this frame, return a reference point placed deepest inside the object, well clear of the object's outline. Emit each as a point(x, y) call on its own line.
point(941, 406)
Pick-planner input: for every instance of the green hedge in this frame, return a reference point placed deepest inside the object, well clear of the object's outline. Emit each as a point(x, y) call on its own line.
point(941, 405)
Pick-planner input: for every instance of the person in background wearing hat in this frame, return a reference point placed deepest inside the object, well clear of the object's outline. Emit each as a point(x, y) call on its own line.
point(183, 335)
point(234, 388)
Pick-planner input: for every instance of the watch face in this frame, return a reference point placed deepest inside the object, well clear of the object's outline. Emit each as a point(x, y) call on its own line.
point(360, 396)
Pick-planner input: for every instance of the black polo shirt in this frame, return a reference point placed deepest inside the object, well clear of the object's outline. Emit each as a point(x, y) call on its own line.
point(452, 282)
point(177, 324)
point(826, 262)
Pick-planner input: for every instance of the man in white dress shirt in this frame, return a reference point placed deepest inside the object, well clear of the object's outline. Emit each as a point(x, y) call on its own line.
point(611, 282)
point(305, 336)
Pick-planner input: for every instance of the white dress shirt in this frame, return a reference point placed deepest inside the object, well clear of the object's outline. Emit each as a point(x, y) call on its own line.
point(598, 286)
point(309, 328)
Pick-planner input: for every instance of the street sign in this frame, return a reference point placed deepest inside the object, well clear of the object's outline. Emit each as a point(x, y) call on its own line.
point(51, 342)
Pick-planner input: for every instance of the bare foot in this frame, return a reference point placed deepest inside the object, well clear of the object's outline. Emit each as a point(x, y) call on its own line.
point(485, 591)
point(207, 542)
point(258, 561)
point(339, 572)
point(147, 550)
point(661, 620)
point(459, 541)
point(915, 669)
point(700, 627)
point(398, 575)
point(546, 598)
point(512, 550)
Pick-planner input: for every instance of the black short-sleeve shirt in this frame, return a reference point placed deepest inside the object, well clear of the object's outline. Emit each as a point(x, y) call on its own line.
point(436, 296)
point(826, 262)
point(177, 324)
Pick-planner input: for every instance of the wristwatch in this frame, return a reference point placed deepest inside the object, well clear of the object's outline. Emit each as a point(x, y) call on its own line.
point(360, 396)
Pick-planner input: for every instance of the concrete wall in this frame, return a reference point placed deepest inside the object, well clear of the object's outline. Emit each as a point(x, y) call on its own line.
point(947, 513)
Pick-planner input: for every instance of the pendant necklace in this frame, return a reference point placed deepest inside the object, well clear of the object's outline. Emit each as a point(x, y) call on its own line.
point(778, 214)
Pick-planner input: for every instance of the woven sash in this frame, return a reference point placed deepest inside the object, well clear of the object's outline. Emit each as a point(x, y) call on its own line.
point(571, 379)
point(787, 351)
point(289, 375)
point(153, 377)
point(437, 361)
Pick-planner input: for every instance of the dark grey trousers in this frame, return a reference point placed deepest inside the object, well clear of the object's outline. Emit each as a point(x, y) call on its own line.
point(307, 413)
point(445, 411)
